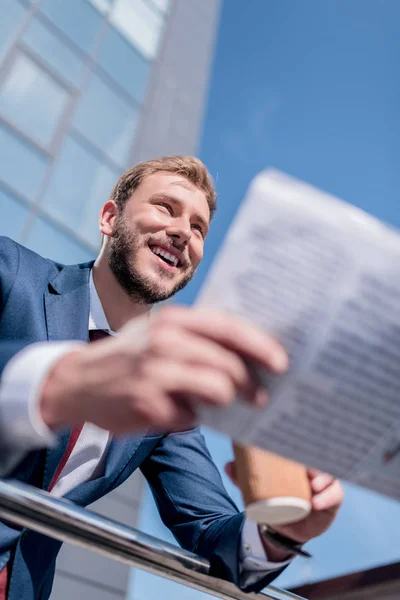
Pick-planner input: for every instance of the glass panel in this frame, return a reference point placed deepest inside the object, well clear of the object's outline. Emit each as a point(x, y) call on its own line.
point(107, 120)
point(79, 187)
point(103, 6)
point(13, 216)
point(12, 14)
point(124, 63)
point(21, 166)
point(51, 242)
point(78, 19)
point(53, 50)
point(139, 24)
point(162, 5)
point(32, 100)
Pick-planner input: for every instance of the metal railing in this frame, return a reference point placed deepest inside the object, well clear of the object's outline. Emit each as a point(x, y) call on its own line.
point(28, 507)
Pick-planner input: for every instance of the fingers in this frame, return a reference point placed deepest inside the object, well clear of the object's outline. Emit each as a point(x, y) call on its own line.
point(192, 383)
point(161, 412)
point(232, 332)
point(319, 481)
point(330, 498)
point(194, 350)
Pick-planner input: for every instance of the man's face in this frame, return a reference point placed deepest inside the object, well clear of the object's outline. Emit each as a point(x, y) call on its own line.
point(158, 239)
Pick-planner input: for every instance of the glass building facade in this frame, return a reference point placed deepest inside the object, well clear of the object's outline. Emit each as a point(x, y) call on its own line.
point(73, 81)
point(88, 88)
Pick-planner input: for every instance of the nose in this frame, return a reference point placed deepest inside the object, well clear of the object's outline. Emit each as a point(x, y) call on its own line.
point(180, 231)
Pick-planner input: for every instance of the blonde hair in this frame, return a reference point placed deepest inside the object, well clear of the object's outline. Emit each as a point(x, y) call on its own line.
point(188, 166)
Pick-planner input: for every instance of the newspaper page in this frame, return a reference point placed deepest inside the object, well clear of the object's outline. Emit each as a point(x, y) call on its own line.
point(324, 278)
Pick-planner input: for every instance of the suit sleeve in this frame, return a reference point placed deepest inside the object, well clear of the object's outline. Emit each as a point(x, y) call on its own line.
point(195, 506)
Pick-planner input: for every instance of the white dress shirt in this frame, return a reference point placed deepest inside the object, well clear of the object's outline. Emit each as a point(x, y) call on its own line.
point(21, 425)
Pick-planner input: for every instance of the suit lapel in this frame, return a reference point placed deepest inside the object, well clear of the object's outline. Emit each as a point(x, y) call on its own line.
point(120, 454)
point(67, 306)
point(53, 457)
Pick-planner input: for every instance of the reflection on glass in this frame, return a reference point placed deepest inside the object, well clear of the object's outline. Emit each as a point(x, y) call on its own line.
point(51, 242)
point(162, 5)
point(21, 166)
point(54, 51)
point(13, 216)
point(107, 120)
point(32, 100)
point(12, 14)
point(79, 187)
point(139, 24)
point(103, 6)
point(124, 63)
point(77, 18)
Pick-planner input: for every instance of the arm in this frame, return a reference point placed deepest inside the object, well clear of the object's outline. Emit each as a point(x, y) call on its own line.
point(24, 368)
point(195, 506)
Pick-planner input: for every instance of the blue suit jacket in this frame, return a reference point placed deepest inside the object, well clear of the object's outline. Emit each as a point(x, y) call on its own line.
point(41, 300)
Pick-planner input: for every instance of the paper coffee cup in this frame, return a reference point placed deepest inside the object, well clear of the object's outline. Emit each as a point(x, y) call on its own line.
point(275, 490)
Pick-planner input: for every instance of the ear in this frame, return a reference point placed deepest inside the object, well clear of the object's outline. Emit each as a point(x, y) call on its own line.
point(108, 214)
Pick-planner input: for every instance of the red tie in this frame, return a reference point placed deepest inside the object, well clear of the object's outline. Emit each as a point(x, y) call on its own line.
point(94, 335)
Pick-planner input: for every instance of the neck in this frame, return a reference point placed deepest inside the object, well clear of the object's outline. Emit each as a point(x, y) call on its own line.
point(118, 307)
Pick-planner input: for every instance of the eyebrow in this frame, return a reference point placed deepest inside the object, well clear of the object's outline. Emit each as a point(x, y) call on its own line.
point(176, 201)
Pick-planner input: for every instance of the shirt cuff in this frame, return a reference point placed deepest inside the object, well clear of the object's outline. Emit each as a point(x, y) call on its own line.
point(253, 556)
point(21, 424)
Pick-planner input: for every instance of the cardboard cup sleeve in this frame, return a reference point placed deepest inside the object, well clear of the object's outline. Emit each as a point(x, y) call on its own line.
point(275, 490)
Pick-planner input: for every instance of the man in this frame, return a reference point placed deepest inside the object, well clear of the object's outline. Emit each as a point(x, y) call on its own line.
point(145, 381)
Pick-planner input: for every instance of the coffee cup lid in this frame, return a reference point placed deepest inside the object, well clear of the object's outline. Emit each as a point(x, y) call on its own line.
point(278, 511)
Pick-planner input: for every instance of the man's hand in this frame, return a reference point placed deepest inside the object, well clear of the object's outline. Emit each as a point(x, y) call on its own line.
point(327, 497)
point(157, 371)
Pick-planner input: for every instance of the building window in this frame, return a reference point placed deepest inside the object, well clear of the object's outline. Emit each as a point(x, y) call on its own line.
point(80, 185)
point(140, 24)
point(49, 241)
point(106, 120)
point(76, 18)
point(21, 166)
point(13, 216)
point(46, 44)
point(124, 63)
point(12, 15)
point(32, 100)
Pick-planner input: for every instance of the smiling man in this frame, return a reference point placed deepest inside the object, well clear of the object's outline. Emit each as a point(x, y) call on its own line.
point(63, 402)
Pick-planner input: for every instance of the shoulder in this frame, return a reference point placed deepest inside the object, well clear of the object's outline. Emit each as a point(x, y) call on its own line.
point(19, 263)
point(13, 254)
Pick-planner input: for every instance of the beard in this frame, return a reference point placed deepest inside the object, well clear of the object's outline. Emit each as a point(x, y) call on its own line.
point(122, 252)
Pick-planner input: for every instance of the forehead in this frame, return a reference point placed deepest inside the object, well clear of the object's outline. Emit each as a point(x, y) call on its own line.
point(175, 186)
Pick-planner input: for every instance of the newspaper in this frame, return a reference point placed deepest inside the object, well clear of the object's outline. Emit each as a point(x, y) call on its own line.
point(324, 278)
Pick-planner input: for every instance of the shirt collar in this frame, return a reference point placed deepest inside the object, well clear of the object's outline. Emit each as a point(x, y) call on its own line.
point(97, 317)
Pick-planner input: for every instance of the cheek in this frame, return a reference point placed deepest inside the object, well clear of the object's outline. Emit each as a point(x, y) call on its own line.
point(149, 221)
point(196, 252)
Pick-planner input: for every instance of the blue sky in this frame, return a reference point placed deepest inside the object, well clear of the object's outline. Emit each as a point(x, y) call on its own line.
point(311, 88)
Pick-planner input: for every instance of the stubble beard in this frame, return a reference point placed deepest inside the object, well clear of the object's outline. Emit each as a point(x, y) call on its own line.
point(122, 251)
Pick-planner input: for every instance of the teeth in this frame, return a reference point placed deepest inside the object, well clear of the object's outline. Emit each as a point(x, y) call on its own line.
point(161, 252)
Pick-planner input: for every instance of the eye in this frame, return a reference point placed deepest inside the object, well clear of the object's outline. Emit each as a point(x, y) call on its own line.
point(167, 206)
point(198, 228)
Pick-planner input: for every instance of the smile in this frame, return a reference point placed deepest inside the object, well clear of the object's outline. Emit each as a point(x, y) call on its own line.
point(165, 256)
